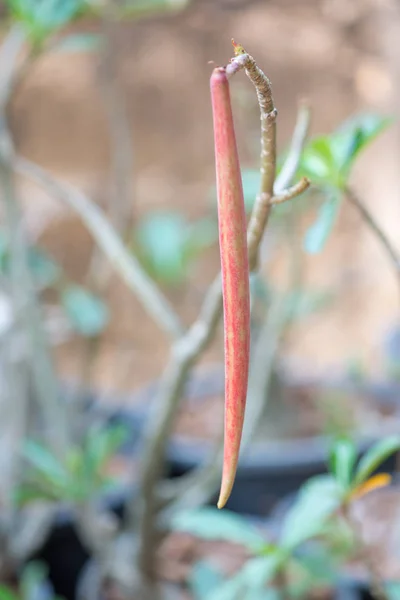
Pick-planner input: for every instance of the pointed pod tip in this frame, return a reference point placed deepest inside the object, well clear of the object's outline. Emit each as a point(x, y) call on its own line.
point(225, 492)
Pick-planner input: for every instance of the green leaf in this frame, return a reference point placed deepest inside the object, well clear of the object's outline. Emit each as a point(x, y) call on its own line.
point(100, 445)
point(318, 161)
point(318, 233)
point(211, 524)
point(79, 42)
point(44, 269)
point(375, 456)
point(162, 239)
point(42, 17)
point(203, 580)
point(167, 244)
point(87, 313)
point(353, 136)
point(45, 463)
point(317, 501)
point(251, 580)
point(7, 593)
point(33, 576)
point(343, 456)
point(393, 590)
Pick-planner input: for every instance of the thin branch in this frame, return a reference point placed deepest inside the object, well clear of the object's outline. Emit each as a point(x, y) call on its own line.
point(292, 192)
point(26, 306)
point(376, 229)
point(125, 263)
point(291, 164)
point(268, 114)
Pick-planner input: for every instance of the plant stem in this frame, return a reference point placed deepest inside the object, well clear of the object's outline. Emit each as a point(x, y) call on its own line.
point(26, 306)
point(291, 164)
point(125, 263)
point(290, 193)
point(268, 114)
point(375, 228)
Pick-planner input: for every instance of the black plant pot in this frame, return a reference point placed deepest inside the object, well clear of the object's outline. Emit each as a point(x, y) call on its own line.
point(270, 470)
point(353, 590)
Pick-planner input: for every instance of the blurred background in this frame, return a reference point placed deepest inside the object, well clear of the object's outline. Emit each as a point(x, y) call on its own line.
point(148, 93)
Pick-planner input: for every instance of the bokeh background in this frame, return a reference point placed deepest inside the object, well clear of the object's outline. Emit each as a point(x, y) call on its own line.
point(340, 55)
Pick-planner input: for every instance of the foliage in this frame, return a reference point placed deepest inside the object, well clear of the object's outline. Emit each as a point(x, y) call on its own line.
point(168, 245)
point(33, 585)
point(41, 18)
point(328, 162)
point(82, 475)
point(87, 314)
point(297, 553)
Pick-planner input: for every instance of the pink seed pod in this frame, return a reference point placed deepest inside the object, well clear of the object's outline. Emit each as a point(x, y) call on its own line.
point(235, 276)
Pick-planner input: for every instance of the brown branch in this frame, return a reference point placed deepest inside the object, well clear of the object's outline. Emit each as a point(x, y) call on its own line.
point(292, 192)
point(268, 114)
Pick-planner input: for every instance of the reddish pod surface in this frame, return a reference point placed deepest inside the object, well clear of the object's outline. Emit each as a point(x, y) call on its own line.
point(235, 276)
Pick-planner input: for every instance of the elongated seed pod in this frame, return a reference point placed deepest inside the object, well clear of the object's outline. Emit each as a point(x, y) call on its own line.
point(235, 276)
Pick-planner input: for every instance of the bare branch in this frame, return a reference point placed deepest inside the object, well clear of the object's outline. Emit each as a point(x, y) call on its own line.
point(292, 192)
point(268, 114)
point(376, 229)
point(291, 164)
point(125, 263)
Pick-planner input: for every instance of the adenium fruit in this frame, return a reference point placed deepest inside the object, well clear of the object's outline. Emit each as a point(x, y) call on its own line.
point(235, 275)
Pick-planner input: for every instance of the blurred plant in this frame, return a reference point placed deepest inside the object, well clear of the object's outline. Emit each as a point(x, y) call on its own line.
point(328, 161)
point(82, 474)
point(291, 566)
point(33, 585)
point(58, 468)
point(87, 313)
point(168, 245)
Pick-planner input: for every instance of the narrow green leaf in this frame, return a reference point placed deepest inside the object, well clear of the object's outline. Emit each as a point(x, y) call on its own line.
point(318, 162)
point(343, 456)
point(87, 313)
point(45, 463)
point(250, 582)
point(212, 524)
point(318, 233)
point(375, 456)
point(204, 580)
point(353, 136)
point(33, 576)
point(317, 501)
point(44, 269)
